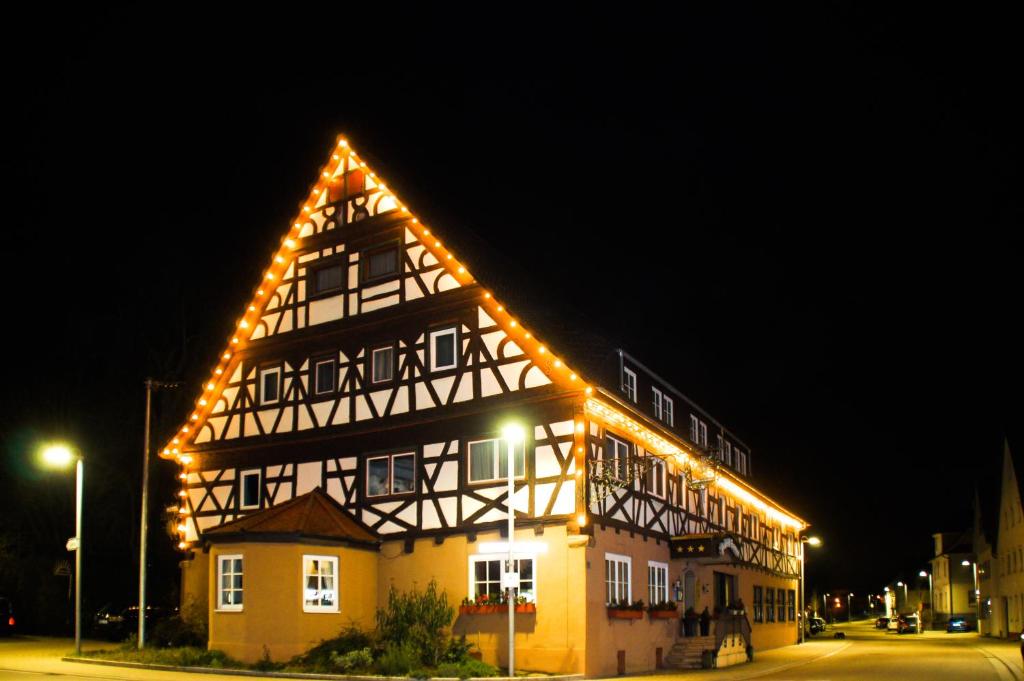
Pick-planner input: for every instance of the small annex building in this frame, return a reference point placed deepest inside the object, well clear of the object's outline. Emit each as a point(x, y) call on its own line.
point(350, 438)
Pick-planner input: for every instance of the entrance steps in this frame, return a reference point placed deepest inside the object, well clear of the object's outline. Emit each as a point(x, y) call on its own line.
point(687, 652)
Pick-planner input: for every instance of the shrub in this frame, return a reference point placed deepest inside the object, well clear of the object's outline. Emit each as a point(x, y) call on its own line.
point(176, 632)
point(467, 668)
point(419, 619)
point(398, 659)
point(321, 658)
point(352, 661)
point(457, 651)
point(265, 664)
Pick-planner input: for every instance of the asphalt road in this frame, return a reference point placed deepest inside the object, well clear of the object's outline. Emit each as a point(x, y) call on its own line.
point(865, 654)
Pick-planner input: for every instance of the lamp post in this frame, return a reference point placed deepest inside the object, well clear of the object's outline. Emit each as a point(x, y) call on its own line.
point(824, 606)
point(931, 596)
point(977, 594)
point(61, 456)
point(813, 541)
point(849, 607)
point(513, 435)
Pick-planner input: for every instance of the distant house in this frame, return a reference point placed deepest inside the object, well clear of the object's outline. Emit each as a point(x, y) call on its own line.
point(354, 436)
point(953, 575)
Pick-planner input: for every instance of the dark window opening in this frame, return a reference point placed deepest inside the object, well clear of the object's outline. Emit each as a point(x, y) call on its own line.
point(380, 263)
point(327, 279)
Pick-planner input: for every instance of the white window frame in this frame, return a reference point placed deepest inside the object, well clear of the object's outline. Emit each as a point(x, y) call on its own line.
point(280, 384)
point(613, 587)
point(229, 607)
point(306, 607)
point(651, 479)
point(432, 340)
point(495, 461)
point(658, 396)
point(629, 452)
point(728, 453)
point(741, 461)
point(629, 384)
point(668, 407)
point(373, 364)
point(655, 567)
point(241, 489)
point(530, 597)
point(703, 433)
point(316, 377)
point(721, 446)
point(391, 475)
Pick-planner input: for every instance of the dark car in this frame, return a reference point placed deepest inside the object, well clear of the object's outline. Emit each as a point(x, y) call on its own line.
point(958, 624)
point(7, 621)
point(815, 625)
point(882, 623)
point(116, 624)
point(908, 624)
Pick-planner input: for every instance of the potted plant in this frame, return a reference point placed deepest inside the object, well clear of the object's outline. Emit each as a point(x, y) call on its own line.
point(486, 604)
point(625, 610)
point(666, 610)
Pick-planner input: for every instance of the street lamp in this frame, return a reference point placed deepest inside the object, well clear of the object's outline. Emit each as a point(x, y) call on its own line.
point(513, 435)
point(905, 597)
point(931, 596)
point(824, 605)
point(849, 607)
point(977, 592)
point(813, 541)
point(61, 456)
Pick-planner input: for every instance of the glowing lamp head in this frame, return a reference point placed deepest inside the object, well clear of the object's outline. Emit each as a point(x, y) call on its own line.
point(886, 589)
point(899, 583)
point(965, 563)
point(814, 541)
point(58, 456)
point(513, 433)
point(581, 520)
point(922, 573)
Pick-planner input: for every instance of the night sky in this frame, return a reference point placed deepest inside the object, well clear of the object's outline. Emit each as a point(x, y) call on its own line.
point(806, 218)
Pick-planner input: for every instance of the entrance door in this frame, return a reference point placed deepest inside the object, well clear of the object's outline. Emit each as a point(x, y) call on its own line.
point(689, 591)
point(725, 590)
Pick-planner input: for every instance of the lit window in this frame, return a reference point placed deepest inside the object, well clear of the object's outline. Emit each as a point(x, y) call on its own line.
point(392, 474)
point(382, 365)
point(657, 403)
point(324, 374)
point(485, 577)
point(629, 384)
point(229, 582)
point(249, 489)
point(327, 279)
point(668, 409)
point(488, 460)
point(616, 579)
point(270, 385)
point(320, 584)
point(380, 263)
point(657, 582)
point(443, 349)
point(616, 457)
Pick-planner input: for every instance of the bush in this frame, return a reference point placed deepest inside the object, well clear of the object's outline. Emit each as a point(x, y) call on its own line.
point(176, 632)
point(322, 657)
point(419, 619)
point(398, 659)
point(467, 668)
point(458, 650)
point(352, 661)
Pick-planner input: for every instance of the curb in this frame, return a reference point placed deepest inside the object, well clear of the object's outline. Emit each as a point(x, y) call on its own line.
point(298, 675)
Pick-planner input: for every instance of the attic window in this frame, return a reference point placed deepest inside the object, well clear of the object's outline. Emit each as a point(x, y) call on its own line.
point(327, 279)
point(443, 353)
point(380, 262)
point(270, 385)
point(249, 489)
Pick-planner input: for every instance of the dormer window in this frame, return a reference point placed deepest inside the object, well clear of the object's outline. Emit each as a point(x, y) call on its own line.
point(657, 400)
point(380, 263)
point(668, 410)
point(629, 384)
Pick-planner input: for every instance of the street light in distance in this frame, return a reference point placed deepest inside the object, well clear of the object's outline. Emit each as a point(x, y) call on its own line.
point(59, 455)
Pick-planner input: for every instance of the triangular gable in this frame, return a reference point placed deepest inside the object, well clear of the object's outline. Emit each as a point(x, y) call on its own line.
point(345, 176)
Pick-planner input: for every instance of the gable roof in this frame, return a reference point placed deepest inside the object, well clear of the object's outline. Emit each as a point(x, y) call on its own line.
point(313, 515)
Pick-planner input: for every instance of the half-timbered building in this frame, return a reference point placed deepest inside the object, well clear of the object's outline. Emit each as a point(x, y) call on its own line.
point(365, 391)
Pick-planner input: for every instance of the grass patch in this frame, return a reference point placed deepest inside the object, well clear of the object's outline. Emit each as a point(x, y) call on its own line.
point(186, 656)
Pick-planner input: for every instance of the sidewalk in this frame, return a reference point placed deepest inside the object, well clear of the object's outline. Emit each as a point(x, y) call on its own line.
point(1007, 652)
point(765, 663)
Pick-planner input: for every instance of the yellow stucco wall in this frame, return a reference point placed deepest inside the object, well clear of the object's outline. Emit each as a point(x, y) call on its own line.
point(272, 613)
point(195, 579)
point(551, 640)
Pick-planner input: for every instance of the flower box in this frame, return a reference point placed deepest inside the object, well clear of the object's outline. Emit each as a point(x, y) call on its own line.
point(624, 614)
point(495, 609)
point(663, 614)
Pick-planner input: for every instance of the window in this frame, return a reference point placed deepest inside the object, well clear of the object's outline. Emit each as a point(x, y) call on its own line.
point(728, 453)
point(249, 489)
point(769, 602)
point(657, 403)
point(229, 582)
point(485, 577)
point(698, 431)
point(780, 604)
point(382, 365)
point(656, 476)
point(657, 582)
point(443, 353)
point(758, 604)
point(319, 584)
point(616, 578)
point(324, 374)
point(741, 461)
point(326, 279)
point(380, 263)
point(488, 460)
point(270, 385)
point(669, 410)
point(791, 602)
point(616, 456)
point(391, 474)
point(629, 384)
point(721, 447)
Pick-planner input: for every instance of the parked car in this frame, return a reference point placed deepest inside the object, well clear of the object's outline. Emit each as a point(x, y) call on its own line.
point(881, 623)
point(958, 624)
point(893, 623)
point(815, 625)
point(7, 621)
point(907, 624)
point(114, 623)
